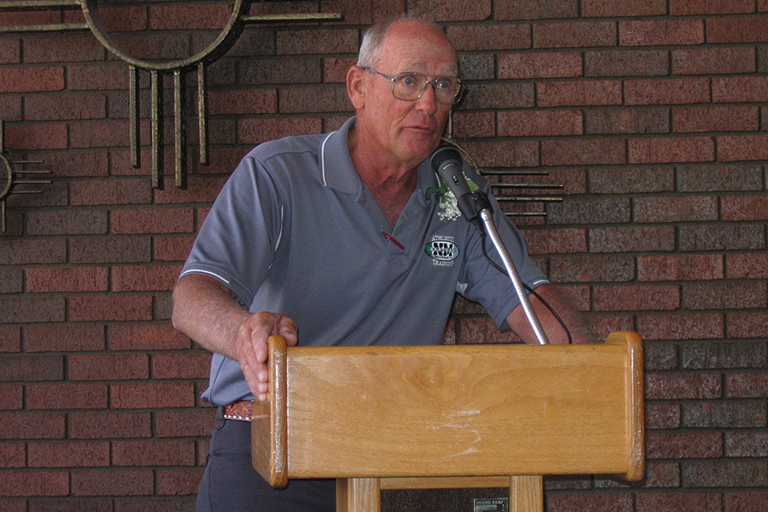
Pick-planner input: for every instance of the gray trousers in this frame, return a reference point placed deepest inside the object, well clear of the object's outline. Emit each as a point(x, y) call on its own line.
point(230, 484)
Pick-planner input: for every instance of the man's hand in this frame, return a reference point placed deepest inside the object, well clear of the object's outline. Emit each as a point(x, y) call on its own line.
point(252, 351)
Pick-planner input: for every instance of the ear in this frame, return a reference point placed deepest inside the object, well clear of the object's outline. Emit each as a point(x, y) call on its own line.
point(356, 86)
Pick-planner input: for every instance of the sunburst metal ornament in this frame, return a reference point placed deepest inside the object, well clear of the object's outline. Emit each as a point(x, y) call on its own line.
point(10, 177)
point(178, 68)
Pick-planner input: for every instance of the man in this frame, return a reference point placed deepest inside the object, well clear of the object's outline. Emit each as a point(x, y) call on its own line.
point(335, 234)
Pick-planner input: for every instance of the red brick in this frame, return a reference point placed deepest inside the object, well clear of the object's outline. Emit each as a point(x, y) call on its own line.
point(36, 137)
point(123, 18)
point(10, 51)
point(109, 425)
point(32, 309)
point(688, 7)
point(67, 337)
point(579, 93)
point(172, 248)
point(55, 49)
point(745, 501)
point(242, 101)
point(590, 502)
point(671, 150)
point(623, 62)
point(112, 482)
point(185, 422)
point(673, 326)
point(661, 32)
point(68, 454)
point(490, 37)
point(72, 163)
point(30, 368)
point(539, 65)
point(746, 444)
point(77, 279)
point(500, 95)
point(34, 483)
point(146, 337)
point(514, 153)
point(731, 237)
point(153, 453)
point(583, 152)
point(256, 131)
point(684, 445)
point(152, 395)
point(661, 474)
point(483, 330)
point(189, 17)
point(716, 119)
point(724, 414)
point(666, 91)
point(737, 29)
point(683, 386)
point(677, 501)
point(631, 298)
point(591, 268)
point(109, 249)
point(99, 77)
point(662, 415)
point(154, 278)
point(33, 251)
point(72, 221)
point(108, 367)
point(593, 211)
point(556, 241)
point(474, 124)
point(110, 308)
point(458, 11)
point(675, 209)
point(632, 238)
point(709, 61)
point(66, 396)
point(680, 267)
point(747, 266)
point(725, 473)
point(54, 108)
point(335, 69)
point(631, 180)
point(726, 354)
point(322, 41)
point(719, 177)
point(10, 108)
point(110, 191)
point(744, 208)
point(532, 9)
point(739, 89)
point(100, 134)
point(178, 481)
point(152, 220)
point(746, 385)
point(581, 34)
point(194, 365)
point(732, 148)
point(37, 79)
point(13, 455)
point(609, 9)
point(539, 123)
point(32, 426)
point(11, 397)
point(19, 17)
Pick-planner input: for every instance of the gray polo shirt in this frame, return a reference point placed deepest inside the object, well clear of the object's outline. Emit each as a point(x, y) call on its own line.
point(295, 231)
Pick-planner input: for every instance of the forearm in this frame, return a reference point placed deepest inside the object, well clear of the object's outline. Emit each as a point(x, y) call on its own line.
point(207, 312)
point(555, 333)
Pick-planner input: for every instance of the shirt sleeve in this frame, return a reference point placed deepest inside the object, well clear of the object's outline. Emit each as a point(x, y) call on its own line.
point(237, 240)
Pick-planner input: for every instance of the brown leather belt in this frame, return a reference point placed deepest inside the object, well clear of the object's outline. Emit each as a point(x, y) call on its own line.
point(242, 410)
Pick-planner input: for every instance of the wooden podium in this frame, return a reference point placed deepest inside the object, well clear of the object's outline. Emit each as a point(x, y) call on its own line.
point(473, 416)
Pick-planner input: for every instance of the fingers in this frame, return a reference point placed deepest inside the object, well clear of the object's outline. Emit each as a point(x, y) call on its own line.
point(253, 349)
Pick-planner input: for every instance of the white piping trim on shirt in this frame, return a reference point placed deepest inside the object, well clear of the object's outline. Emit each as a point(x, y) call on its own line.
point(322, 158)
point(207, 272)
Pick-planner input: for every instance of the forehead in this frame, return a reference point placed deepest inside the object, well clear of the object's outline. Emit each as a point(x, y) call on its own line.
point(415, 46)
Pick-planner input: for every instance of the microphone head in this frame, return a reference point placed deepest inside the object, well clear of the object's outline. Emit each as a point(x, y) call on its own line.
point(445, 154)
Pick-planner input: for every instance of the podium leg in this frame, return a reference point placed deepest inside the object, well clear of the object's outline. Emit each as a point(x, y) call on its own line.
point(358, 495)
point(526, 494)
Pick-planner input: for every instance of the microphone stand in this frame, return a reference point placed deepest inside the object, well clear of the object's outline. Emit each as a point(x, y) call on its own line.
point(478, 205)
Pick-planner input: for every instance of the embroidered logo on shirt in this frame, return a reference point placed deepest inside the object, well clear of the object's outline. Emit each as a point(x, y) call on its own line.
point(442, 250)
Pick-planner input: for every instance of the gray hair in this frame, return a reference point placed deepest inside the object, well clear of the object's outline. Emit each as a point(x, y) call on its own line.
point(374, 37)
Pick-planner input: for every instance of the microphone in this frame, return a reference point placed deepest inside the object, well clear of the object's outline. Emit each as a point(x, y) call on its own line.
point(446, 162)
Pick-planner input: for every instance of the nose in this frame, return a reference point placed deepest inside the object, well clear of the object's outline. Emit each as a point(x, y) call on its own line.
point(428, 99)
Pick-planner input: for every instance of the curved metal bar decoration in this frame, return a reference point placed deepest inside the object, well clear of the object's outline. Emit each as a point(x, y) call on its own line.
point(9, 178)
point(226, 38)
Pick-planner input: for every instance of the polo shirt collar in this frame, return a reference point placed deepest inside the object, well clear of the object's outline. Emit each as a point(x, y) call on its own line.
point(339, 173)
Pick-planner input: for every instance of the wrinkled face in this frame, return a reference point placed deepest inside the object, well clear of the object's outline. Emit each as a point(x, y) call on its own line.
point(407, 131)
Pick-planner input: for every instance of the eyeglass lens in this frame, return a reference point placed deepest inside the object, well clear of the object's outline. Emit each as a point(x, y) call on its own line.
point(410, 86)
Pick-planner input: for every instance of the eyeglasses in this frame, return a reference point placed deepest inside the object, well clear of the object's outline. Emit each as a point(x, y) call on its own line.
point(409, 86)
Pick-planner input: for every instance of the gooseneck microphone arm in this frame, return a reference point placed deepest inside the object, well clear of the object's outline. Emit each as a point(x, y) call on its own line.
point(475, 207)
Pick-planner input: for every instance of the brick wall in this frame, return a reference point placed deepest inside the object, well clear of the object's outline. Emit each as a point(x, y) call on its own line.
point(651, 113)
